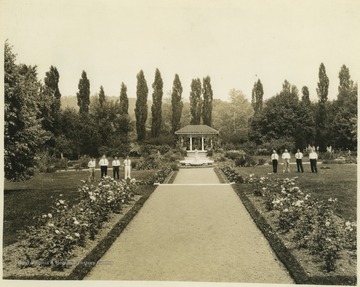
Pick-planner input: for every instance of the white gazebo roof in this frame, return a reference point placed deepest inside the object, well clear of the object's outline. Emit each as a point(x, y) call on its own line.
point(197, 130)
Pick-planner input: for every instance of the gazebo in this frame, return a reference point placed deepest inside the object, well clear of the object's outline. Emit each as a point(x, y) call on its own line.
point(197, 138)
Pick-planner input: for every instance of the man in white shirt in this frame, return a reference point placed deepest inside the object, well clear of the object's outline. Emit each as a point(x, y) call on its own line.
point(116, 168)
point(91, 166)
point(286, 157)
point(313, 159)
point(127, 164)
point(103, 166)
point(299, 157)
point(274, 160)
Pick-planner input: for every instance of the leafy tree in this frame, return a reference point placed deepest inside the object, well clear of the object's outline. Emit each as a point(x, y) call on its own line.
point(344, 110)
point(124, 122)
point(51, 82)
point(176, 104)
point(70, 126)
point(49, 103)
point(141, 107)
point(231, 118)
point(257, 97)
point(305, 134)
point(156, 104)
point(124, 101)
point(102, 97)
point(305, 96)
point(83, 96)
point(195, 102)
point(281, 117)
point(207, 101)
point(322, 91)
point(23, 133)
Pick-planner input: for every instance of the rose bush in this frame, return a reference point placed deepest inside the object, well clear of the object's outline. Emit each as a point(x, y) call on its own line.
point(52, 241)
point(313, 223)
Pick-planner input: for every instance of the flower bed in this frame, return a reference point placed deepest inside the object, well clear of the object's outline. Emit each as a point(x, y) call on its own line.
point(56, 246)
point(301, 229)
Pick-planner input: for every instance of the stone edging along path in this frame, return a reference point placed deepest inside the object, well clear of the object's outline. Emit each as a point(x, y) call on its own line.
point(295, 269)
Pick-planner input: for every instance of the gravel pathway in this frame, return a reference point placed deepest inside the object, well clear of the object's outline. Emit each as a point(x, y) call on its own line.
point(192, 233)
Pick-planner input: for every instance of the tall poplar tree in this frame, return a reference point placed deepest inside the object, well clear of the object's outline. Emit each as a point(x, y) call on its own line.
point(51, 82)
point(342, 122)
point(195, 102)
point(257, 97)
point(83, 96)
point(124, 101)
point(156, 104)
point(322, 91)
point(102, 98)
point(305, 98)
point(176, 104)
point(207, 102)
point(141, 106)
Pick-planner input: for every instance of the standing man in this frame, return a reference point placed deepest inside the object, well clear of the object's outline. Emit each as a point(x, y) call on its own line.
point(313, 159)
point(103, 166)
point(116, 168)
point(299, 157)
point(127, 164)
point(274, 160)
point(91, 166)
point(286, 157)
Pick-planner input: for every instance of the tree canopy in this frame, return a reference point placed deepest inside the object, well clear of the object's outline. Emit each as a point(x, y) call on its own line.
point(141, 109)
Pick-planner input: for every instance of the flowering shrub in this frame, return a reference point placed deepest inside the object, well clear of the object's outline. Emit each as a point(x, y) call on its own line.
point(232, 175)
point(313, 223)
point(162, 174)
point(52, 241)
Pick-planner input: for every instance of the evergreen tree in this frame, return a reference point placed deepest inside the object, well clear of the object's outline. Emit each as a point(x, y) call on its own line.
point(156, 104)
point(207, 102)
point(195, 102)
point(141, 107)
point(23, 133)
point(124, 101)
point(176, 104)
point(257, 97)
point(102, 98)
point(83, 96)
point(322, 91)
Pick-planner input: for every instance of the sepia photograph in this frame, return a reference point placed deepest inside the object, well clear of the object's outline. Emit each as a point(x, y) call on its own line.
point(179, 143)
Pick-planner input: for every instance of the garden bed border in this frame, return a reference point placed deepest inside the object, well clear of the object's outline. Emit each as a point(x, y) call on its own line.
point(293, 266)
point(94, 255)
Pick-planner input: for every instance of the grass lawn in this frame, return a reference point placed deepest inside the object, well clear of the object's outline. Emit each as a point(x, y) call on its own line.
point(24, 201)
point(339, 181)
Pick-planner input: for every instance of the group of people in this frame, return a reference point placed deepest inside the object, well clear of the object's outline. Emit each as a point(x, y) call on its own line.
point(313, 156)
point(104, 163)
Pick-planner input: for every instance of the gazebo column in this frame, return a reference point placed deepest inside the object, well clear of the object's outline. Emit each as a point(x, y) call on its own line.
point(182, 141)
point(211, 143)
point(191, 143)
point(202, 143)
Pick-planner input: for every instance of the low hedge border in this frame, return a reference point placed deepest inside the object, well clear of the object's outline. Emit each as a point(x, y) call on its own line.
point(82, 269)
point(221, 176)
point(295, 269)
point(172, 177)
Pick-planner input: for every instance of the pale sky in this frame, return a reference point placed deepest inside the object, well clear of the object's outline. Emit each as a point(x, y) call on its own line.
point(234, 42)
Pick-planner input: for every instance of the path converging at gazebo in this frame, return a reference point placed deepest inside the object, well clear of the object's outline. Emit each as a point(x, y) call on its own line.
point(194, 230)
